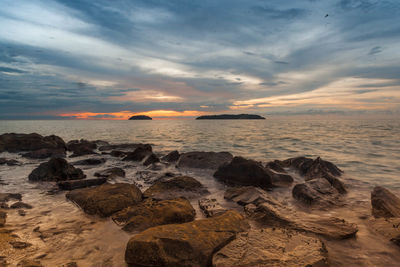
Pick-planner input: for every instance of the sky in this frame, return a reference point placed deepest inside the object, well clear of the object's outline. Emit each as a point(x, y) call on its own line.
point(179, 59)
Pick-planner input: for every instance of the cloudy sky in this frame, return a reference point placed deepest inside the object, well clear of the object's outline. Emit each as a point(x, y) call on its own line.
point(111, 59)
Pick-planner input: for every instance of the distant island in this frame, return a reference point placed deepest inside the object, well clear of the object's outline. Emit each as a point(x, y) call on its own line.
point(231, 117)
point(140, 118)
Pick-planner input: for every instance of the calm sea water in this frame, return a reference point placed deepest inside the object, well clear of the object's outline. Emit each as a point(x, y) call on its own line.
point(367, 150)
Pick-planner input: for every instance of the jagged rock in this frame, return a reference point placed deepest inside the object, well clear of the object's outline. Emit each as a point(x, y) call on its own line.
point(139, 153)
point(151, 159)
point(188, 244)
point(56, 169)
point(120, 147)
point(384, 203)
point(203, 160)
point(320, 167)
point(76, 184)
point(106, 199)
point(181, 186)
point(279, 179)
point(9, 162)
point(275, 166)
point(110, 172)
point(272, 247)
point(13, 142)
point(20, 205)
point(316, 191)
point(211, 207)
point(81, 147)
point(45, 153)
point(3, 216)
point(29, 263)
point(248, 195)
point(241, 171)
point(172, 156)
point(302, 164)
point(151, 213)
point(90, 161)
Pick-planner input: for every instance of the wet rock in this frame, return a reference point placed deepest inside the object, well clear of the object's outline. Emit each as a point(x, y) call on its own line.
point(396, 240)
point(90, 161)
point(139, 153)
point(20, 205)
point(151, 159)
point(81, 147)
point(3, 216)
point(320, 168)
point(9, 162)
point(115, 171)
point(151, 213)
point(275, 166)
point(279, 179)
point(172, 156)
point(211, 207)
point(45, 153)
point(316, 191)
point(21, 212)
point(29, 263)
point(387, 227)
point(106, 199)
point(4, 197)
point(188, 244)
point(302, 164)
point(118, 153)
point(181, 186)
point(13, 142)
point(56, 169)
point(203, 160)
point(19, 244)
point(248, 195)
point(272, 247)
point(120, 147)
point(384, 203)
point(76, 184)
point(241, 171)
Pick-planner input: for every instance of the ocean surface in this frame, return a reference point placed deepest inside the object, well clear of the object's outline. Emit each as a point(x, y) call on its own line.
point(367, 150)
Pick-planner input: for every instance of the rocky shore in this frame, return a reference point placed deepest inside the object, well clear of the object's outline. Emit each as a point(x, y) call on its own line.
point(91, 203)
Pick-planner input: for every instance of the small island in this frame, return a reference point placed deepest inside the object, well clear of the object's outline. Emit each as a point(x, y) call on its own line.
point(140, 118)
point(231, 117)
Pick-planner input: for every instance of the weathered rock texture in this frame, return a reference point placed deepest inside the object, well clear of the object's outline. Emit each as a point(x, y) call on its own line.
point(384, 203)
point(211, 207)
point(56, 169)
point(76, 184)
point(203, 160)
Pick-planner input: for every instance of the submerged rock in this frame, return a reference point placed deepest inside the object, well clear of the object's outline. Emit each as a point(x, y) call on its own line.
point(115, 171)
point(106, 199)
point(76, 184)
point(45, 153)
point(272, 247)
point(151, 159)
point(90, 161)
point(211, 207)
point(172, 156)
point(241, 171)
point(13, 142)
point(56, 169)
point(139, 153)
point(151, 213)
point(203, 160)
point(181, 186)
point(81, 147)
point(188, 244)
point(9, 162)
point(384, 203)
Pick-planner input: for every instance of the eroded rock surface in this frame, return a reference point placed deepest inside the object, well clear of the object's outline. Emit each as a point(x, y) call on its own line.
point(188, 244)
point(56, 169)
point(81, 147)
point(76, 184)
point(203, 160)
point(211, 207)
point(115, 171)
point(106, 199)
point(316, 191)
point(384, 203)
point(13, 142)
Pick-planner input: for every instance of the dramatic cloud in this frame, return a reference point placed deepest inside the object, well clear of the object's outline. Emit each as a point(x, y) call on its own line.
point(113, 59)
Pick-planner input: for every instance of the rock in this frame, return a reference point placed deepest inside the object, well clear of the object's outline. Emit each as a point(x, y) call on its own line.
point(387, 227)
point(45, 153)
point(21, 212)
point(140, 117)
point(81, 147)
point(4, 197)
point(188, 244)
point(120, 147)
point(56, 169)
point(396, 240)
point(272, 247)
point(384, 203)
point(248, 195)
point(275, 166)
point(320, 167)
point(19, 244)
point(29, 263)
point(181, 186)
point(118, 153)
point(3, 216)
point(241, 171)
point(139, 154)
point(151, 213)
point(302, 164)
point(106, 199)
point(203, 160)
point(316, 191)
point(211, 207)
point(20, 205)
point(115, 171)
point(279, 179)
point(172, 156)
point(13, 142)
point(151, 159)
point(9, 162)
point(76, 184)
point(90, 161)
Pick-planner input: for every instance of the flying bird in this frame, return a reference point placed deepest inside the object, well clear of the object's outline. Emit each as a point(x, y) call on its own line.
point(326, 15)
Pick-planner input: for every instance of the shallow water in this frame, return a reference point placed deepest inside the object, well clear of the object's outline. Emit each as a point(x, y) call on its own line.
point(366, 150)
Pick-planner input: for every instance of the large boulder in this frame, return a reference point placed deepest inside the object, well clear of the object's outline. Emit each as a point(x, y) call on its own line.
point(241, 171)
point(188, 244)
point(320, 168)
point(81, 147)
point(140, 153)
point(45, 153)
point(76, 184)
point(106, 199)
point(152, 212)
point(13, 142)
point(151, 159)
point(180, 186)
point(272, 247)
point(203, 160)
point(56, 169)
point(316, 191)
point(384, 203)
point(172, 156)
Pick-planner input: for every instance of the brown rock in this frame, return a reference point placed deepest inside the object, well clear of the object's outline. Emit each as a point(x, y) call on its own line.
point(3, 216)
point(120, 147)
point(20, 205)
point(139, 153)
point(9, 162)
point(81, 147)
point(317, 191)
point(76, 184)
point(151, 213)
point(211, 207)
point(94, 161)
point(248, 195)
point(172, 156)
point(106, 199)
point(115, 171)
point(45, 153)
point(13, 142)
point(56, 169)
point(151, 159)
point(4, 197)
point(203, 160)
point(29, 263)
point(188, 244)
point(384, 203)
point(19, 244)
